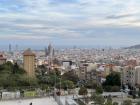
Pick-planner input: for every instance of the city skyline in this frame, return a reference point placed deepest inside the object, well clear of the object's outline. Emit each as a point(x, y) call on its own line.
point(70, 22)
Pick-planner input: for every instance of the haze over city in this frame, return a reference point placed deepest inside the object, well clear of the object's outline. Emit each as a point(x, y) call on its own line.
point(70, 22)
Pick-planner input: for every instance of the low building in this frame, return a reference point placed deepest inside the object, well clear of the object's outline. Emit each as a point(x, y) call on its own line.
point(87, 71)
point(10, 95)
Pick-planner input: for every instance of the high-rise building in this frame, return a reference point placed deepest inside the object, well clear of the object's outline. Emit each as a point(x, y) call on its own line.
point(46, 52)
point(50, 54)
point(50, 50)
point(29, 63)
point(10, 48)
point(53, 53)
point(16, 48)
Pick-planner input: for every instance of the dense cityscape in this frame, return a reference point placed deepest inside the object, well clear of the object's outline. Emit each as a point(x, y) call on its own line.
point(69, 52)
point(73, 76)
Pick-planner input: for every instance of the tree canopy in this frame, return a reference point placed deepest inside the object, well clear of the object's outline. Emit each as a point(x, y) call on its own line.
point(113, 79)
point(112, 83)
point(12, 76)
point(99, 89)
point(70, 76)
point(83, 91)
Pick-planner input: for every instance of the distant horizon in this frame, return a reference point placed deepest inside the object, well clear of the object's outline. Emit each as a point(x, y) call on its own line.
point(42, 47)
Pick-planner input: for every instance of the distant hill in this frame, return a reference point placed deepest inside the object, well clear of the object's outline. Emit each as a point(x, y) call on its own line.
point(134, 47)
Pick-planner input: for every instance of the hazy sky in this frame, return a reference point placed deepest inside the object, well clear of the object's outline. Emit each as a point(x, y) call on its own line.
point(70, 22)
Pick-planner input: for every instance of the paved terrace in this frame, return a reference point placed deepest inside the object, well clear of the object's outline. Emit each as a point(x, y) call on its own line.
point(38, 101)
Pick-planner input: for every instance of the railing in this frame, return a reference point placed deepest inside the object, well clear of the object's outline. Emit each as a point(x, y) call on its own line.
point(26, 95)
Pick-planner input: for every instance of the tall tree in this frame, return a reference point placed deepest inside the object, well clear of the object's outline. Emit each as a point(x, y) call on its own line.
point(113, 79)
point(83, 91)
point(70, 76)
point(99, 89)
point(99, 100)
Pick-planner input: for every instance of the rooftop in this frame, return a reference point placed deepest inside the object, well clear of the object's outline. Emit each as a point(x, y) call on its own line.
point(1, 57)
point(28, 52)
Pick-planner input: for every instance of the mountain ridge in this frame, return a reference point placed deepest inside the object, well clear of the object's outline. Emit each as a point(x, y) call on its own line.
point(133, 47)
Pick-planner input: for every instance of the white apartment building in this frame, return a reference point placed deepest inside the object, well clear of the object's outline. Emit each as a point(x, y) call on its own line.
point(131, 76)
point(137, 75)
